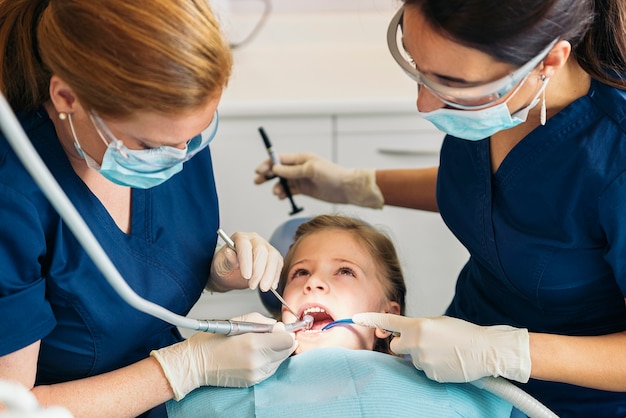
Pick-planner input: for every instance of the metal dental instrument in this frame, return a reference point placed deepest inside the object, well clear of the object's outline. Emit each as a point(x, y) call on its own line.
point(283, 182)
point(230, 327)
point(229, 242)
point(30, 158)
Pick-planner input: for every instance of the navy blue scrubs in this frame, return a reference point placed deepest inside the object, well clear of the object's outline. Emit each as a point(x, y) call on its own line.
point(546, 234)
point(51, 291)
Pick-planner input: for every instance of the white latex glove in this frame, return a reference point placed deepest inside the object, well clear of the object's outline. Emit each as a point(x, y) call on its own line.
point(217, 360)
point(256, 261)
point(314, 176)
point(452, 350)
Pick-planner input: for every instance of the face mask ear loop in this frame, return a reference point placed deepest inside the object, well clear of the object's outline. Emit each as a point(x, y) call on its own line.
point(68, 116)
point(91, 163)
point(543, 102)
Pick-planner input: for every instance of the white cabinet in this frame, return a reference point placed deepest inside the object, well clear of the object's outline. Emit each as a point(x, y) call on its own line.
point(238, 149)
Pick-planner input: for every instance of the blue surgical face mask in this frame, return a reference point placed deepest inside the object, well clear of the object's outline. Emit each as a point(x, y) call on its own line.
point(474, 125)
point(144, 168)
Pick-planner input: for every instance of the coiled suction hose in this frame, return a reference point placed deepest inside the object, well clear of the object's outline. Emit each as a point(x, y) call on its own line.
point(516, 396)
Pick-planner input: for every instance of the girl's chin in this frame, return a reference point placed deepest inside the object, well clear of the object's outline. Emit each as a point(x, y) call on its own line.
point(311, 341)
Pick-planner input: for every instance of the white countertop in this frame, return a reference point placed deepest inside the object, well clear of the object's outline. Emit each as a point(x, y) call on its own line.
point(317, 63)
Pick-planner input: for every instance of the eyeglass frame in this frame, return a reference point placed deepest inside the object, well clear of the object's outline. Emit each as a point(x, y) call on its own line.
point(498, 88)
point(101, 126)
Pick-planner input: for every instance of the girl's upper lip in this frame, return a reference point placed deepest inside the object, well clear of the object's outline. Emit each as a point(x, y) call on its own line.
point(308, 308)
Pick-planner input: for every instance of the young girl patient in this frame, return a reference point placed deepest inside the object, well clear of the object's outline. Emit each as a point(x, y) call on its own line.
point(337, 267)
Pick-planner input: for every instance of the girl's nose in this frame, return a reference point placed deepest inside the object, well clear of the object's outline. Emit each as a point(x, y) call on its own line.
point(316, 284)
point(427, 101)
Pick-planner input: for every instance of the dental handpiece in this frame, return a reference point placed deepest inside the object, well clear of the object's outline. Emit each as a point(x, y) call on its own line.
point(230, 327)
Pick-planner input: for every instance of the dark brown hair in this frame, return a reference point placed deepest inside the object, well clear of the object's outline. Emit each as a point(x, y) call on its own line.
point(377, 244)
point(514, 31)
point(119, 56)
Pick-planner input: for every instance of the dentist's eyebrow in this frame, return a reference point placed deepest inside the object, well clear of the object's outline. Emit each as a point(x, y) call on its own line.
point(148, 142)
point(444, 77)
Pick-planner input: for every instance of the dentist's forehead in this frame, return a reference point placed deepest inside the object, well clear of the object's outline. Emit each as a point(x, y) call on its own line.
point(436, 55)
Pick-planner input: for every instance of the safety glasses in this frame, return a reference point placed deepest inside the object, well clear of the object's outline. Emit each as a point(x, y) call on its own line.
point(193, 146)
point(467, 98)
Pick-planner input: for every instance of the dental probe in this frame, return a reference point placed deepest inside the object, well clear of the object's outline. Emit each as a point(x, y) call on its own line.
point(229, 242)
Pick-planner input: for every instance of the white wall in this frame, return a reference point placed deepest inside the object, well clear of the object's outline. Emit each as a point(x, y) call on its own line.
point(280, 6)
point(240, 17)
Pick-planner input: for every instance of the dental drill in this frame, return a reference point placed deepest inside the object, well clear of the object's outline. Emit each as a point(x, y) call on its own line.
point(229, 327)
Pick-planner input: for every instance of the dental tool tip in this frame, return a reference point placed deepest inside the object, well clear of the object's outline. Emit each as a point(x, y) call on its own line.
point(308, 320)
point(282, 301)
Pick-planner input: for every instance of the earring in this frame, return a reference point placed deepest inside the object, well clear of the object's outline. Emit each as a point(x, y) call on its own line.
point(62, 115)
point(542, 117)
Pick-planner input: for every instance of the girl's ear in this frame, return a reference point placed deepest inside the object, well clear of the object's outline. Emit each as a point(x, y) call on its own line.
point(381, 333)
point(392, 308)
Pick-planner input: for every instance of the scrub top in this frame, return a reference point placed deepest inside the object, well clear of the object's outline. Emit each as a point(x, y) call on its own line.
point(50, 290)
point(546, 234)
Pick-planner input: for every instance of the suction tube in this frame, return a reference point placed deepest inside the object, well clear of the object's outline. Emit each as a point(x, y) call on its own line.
point(520, 399)
point(43, 177)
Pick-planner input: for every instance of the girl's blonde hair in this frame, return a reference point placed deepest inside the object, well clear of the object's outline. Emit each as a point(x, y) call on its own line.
point(164, 56)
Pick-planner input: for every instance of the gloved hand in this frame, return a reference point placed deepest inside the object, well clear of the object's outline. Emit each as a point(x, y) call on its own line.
point(452, 350)
point(256, 261)
point(314, 176)
point(217, 360)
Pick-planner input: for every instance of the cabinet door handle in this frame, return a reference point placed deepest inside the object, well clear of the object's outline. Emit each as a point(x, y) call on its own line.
point(408, 152)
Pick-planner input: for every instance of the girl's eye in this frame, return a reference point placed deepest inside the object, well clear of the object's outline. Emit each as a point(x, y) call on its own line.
point(346, 271)
point(299, 273)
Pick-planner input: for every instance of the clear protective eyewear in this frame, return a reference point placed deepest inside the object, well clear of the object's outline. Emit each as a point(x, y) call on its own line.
point(466, 98)
point(192, 146)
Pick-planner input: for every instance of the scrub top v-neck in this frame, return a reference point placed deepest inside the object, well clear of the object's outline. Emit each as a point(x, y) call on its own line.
point(50, 290)
point(546, 232)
